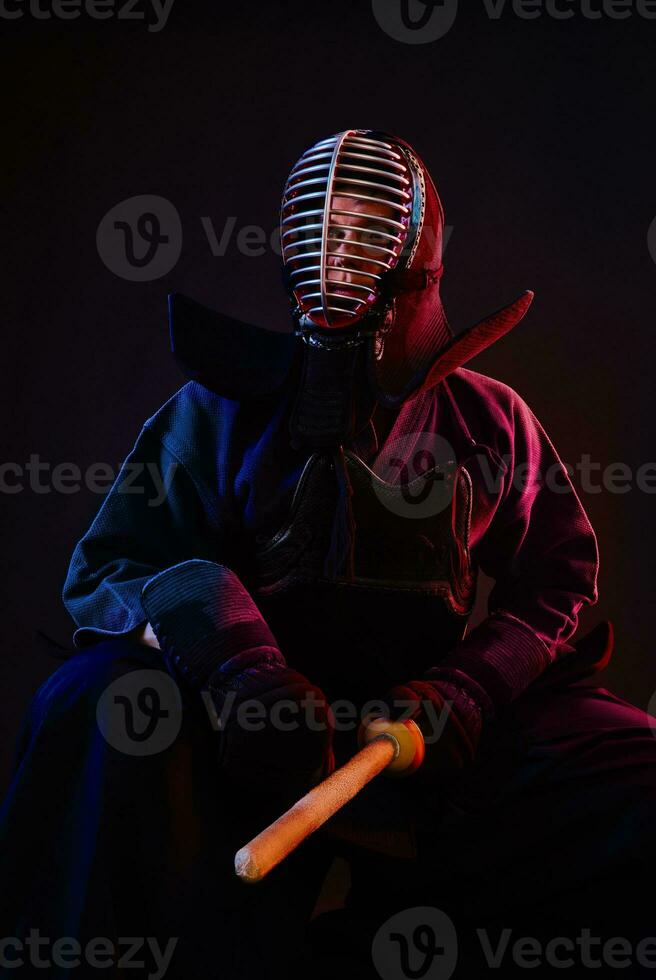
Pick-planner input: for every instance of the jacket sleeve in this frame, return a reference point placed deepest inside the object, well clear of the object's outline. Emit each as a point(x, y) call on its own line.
point(155, 515)
point(534, 539)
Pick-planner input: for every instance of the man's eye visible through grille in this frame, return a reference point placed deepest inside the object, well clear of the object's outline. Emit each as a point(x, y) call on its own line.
point(373, 237)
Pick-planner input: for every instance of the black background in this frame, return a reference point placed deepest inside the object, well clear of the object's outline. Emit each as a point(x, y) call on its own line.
point(539, 134)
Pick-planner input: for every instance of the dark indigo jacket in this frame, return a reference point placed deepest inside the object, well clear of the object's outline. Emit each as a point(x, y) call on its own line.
point(230, 473)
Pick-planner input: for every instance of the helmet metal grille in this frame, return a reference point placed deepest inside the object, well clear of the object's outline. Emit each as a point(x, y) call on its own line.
point(337, 257)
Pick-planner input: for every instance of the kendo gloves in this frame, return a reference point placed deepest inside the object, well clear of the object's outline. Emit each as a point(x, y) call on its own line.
point(449, 712)
point(275, 726)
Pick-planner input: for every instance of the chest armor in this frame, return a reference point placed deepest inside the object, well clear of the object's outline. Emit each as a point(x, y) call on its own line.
point(412, 584)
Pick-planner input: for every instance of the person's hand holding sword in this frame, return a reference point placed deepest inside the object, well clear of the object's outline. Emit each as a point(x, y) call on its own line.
point(432, 725)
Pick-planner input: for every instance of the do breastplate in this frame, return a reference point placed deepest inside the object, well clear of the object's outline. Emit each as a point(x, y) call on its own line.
point(396, 547)
point(412, 588)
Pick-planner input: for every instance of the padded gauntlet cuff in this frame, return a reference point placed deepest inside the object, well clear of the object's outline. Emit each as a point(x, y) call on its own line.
point(203, 616)
point(495, 663)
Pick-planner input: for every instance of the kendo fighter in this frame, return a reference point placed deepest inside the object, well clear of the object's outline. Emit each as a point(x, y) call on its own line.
point(333, 492)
